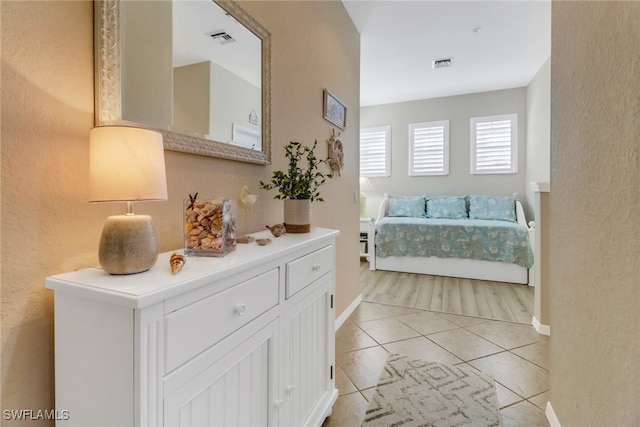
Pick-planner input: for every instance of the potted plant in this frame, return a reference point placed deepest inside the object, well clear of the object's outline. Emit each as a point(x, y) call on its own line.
point(298, 186)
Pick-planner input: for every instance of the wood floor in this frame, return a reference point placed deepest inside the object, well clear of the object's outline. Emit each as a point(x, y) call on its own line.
point(492, 300)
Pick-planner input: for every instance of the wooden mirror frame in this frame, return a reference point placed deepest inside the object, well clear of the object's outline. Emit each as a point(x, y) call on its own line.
point(108, 88)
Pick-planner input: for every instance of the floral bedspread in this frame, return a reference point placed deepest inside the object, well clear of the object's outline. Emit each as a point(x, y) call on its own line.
point(487, 240)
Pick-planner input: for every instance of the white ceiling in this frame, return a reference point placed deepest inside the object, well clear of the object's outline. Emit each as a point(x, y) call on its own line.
point(399, 40)
point(193, 23)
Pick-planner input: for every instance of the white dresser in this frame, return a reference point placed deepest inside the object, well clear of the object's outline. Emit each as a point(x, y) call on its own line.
point(243, 340)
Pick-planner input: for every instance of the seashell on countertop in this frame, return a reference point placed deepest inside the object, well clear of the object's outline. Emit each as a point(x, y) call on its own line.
point(176, 262)
point(277, 229)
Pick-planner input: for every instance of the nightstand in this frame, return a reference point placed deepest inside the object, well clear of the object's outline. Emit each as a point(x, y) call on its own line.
point(364, 237)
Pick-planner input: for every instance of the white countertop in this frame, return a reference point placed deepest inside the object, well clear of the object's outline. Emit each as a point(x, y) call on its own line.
point(158, 283)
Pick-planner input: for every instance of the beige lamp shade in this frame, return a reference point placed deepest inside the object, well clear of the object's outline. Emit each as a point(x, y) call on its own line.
point(126, 164)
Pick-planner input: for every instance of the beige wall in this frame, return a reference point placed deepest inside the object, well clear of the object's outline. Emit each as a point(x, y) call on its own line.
point(458, 110)
point(233, 98)
point(49, 227)
point(192, 99)
point(541, 280)
point(539, 171)
point(538, 130)
point(595, 200)
point(315, 46)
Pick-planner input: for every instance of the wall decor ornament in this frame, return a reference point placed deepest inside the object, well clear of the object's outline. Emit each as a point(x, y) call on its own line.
point(246, 200)
point(336, 153)
point(334, 110)
point(253, 118)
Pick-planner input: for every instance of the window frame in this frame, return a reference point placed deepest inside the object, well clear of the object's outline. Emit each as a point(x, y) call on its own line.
point(444, 124)
point(387, 150)
point(513, 168)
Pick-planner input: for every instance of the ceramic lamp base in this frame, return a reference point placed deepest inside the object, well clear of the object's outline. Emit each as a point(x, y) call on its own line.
point(128, 244)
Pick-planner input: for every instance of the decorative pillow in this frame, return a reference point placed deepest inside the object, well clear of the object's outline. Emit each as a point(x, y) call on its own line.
point(406, 206)
point(501, 208)
point(447, 207)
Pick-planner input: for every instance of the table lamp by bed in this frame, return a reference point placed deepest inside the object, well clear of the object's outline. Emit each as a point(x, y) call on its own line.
point(126, 164)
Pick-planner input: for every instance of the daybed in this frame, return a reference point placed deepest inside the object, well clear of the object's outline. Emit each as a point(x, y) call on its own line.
point(475, 237)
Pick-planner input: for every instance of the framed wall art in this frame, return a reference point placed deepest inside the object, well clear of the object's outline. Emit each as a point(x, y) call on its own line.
point(334, 110)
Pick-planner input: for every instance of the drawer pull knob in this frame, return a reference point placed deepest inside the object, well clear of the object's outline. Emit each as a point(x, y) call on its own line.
point(316, 267)
point(240, 309)
point(278, 404)
point(289, 389)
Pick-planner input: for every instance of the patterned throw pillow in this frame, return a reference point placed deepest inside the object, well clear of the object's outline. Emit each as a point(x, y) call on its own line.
point(447, 207)
point(501, 208)
point(413, 206)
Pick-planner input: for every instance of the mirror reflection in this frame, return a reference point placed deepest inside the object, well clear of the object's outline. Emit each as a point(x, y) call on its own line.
point(216, 75)
point(205, 83)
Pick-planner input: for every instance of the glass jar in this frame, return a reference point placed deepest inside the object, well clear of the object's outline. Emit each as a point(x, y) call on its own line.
point(209, 227)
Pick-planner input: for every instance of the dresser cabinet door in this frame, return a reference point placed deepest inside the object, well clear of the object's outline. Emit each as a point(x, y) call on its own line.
point(309, 389)
point(236, 390)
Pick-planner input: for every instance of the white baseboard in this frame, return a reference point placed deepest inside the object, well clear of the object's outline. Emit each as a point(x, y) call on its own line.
point(347, 312)
point(551, 416)
point(540, 328)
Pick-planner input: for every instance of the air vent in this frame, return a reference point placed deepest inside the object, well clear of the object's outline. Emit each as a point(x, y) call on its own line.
point(223, 36)
point(441, 63)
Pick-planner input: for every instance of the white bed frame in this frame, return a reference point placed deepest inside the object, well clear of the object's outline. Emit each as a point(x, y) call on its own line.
point(452, 267)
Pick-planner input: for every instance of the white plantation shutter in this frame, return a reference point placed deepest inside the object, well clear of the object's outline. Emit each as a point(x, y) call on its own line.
point(429, 148)
point(494, 144)
point(375, 151)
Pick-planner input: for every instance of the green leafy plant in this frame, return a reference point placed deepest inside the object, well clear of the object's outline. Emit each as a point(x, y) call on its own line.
point(297, 182)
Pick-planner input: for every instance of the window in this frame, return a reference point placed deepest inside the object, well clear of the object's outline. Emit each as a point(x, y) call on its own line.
point(429, 148)
point(375, 151)
point(494, 144)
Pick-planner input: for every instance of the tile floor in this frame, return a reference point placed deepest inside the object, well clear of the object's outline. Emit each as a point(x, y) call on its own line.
point(513, 353)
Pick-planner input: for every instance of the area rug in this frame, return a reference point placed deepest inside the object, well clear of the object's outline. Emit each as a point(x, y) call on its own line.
point(414, 392)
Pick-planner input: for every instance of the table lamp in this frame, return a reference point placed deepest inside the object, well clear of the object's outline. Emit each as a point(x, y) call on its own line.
point(126, 164)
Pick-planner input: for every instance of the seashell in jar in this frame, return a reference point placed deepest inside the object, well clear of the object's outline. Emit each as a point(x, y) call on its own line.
point(206, 243)
point(193, 242)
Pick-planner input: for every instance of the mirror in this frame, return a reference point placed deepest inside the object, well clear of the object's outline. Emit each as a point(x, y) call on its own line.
point(145, 75)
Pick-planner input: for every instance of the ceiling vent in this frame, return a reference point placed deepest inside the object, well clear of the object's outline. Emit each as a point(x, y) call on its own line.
point(223, 36)
point(441, 63)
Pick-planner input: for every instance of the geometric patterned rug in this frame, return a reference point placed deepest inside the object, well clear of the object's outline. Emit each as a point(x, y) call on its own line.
point(414, 392)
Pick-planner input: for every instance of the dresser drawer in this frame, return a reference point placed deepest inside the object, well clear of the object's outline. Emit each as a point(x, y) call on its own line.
point(303, 271)
point(196, 327)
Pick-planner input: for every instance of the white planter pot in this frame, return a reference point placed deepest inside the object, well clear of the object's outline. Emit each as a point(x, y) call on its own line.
point(297, 216)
